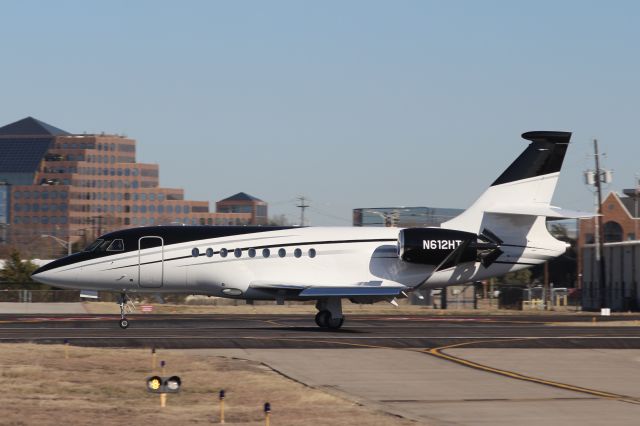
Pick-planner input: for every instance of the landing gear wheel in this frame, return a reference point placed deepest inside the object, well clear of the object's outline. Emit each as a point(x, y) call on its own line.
point(124, 322)
point(323, 318)
point(335, 323)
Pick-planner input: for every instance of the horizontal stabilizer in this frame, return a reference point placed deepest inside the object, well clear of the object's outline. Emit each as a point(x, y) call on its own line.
point(547, 211)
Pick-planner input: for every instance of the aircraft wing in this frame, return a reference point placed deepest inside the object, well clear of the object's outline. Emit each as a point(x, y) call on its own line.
point(313, 291)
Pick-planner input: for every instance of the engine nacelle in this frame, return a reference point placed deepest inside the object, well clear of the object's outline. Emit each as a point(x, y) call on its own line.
point(431, 246)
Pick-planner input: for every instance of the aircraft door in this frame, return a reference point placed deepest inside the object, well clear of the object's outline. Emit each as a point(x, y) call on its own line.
point(150, 262)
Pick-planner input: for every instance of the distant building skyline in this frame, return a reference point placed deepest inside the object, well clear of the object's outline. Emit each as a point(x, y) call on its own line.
point(404, 217)
point(77, 186)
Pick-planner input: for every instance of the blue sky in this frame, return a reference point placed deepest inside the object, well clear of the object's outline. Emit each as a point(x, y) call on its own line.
point(351, 103)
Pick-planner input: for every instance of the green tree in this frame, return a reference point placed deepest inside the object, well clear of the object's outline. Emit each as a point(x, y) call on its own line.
point(279, 220)
point(521, 277)
point(16, 270)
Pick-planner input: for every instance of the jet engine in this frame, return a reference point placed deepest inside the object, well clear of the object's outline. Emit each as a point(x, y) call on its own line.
point(445, 248)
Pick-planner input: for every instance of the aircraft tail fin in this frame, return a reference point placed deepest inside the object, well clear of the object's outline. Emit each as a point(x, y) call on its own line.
point(521, 195)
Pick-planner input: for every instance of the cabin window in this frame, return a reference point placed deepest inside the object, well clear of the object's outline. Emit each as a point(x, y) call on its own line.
point(116, 245)
point(224, 252)
point(209, 252)
point(297, 252)
point(252, 252)
point(282, 252)
point(312, 253)
point(195, 252)
point(237, 252)
point(266, 253)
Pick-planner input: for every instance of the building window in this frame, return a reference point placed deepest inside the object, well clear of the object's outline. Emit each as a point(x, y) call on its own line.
point(612, 232)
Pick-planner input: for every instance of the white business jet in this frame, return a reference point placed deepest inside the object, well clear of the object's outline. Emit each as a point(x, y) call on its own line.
point(503, 231)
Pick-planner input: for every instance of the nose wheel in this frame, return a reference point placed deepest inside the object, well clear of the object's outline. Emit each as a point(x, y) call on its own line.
point(124, 322)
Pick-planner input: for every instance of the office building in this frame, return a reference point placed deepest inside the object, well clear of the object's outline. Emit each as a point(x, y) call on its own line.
point(246, 204)
point(77, 186)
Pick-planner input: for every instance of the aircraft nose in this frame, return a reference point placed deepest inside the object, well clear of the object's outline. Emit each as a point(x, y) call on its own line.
point(56, 274)
point(42, 276)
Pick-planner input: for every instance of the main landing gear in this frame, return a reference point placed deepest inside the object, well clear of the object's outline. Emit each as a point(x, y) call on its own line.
point(329, 313)
point(122, 301)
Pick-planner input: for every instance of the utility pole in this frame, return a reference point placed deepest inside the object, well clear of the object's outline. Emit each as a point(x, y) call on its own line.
point(599, 233)
point(302, 206)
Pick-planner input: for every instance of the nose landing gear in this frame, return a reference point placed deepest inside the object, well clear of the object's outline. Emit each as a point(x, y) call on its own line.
point(122, 301)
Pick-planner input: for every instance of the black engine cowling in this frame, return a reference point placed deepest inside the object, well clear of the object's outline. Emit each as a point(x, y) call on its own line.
point(431, 246)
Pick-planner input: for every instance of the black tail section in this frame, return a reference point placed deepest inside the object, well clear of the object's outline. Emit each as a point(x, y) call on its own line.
point(543, 156)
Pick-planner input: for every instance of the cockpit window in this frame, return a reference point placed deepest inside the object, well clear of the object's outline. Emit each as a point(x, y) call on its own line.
point(116, 245)
point(94, 245)
point(103, 246)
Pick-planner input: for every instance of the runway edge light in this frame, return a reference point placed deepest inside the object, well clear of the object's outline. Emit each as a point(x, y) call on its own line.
point(158, 384)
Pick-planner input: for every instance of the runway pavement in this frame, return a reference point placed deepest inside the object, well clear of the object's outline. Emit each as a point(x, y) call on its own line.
point(435, 370)
point(299, 331)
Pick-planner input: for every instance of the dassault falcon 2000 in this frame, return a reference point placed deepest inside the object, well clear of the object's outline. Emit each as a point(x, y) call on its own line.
point(503, 231)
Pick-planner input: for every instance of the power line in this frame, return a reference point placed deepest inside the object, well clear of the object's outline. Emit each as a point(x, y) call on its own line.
point(302, 206)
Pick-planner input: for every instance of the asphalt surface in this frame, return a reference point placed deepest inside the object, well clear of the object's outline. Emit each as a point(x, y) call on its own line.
point(299, 331)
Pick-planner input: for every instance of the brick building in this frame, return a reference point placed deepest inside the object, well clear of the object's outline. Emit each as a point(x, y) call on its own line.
point(621, 224)
point(76, 186)
point(247, 204)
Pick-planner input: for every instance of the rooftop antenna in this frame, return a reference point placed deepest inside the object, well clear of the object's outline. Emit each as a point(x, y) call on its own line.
point(302, 206)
